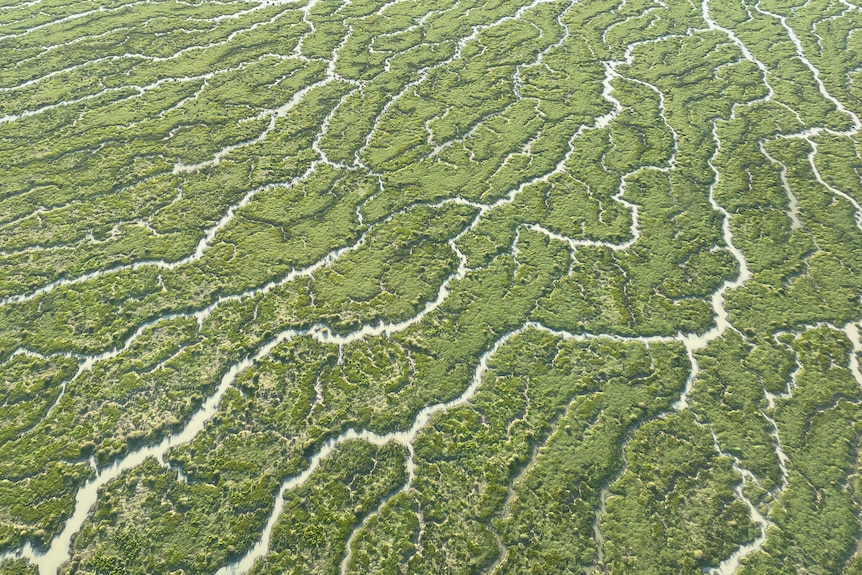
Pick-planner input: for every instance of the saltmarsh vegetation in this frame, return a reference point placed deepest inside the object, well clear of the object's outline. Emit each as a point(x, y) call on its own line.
point(473, 287)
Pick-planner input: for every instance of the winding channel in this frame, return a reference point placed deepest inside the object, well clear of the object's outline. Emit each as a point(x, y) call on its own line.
point(49, 561)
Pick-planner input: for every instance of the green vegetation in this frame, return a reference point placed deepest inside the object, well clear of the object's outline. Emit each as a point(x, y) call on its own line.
point(19, 567)
point(816, 515)
point(430, 287)
point(673, 509)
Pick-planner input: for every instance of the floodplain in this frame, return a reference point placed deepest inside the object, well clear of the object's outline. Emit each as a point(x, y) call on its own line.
point(430, 286)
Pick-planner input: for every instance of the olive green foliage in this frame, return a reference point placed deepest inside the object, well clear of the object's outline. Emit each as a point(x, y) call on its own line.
point(445, 286)
point(319, 516)
point(816, 516)
point(679, 495)
point(19, 567)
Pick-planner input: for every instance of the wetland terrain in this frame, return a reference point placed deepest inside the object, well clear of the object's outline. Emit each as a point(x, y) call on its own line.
point(430, 286)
